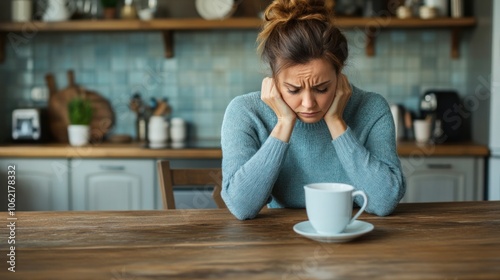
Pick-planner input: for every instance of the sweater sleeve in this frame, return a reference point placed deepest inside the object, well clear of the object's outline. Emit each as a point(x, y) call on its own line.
point(374, 166)
point(250, 169)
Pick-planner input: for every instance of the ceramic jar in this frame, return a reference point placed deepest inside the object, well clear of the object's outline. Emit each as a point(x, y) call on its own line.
point(157, 132)
point(177, 130)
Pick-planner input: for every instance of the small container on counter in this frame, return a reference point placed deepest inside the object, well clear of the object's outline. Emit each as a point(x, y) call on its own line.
point(178, 130)
point(157, 132)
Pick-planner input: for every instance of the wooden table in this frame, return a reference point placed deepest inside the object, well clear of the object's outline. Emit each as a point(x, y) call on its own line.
point(419, 241)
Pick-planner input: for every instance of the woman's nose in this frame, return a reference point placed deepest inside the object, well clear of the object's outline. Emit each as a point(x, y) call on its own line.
point(308, 101)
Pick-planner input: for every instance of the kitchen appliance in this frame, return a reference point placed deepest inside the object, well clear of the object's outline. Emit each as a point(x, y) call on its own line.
point(29, 125)
point(446, 112)
point(494, 161)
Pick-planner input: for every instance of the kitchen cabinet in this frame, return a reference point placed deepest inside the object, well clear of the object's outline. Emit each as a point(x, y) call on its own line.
point(40, 184)
point(441, 179)
point(370, 26)
point(103, 184)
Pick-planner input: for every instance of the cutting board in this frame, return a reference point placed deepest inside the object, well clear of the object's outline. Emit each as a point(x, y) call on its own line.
point(103, 117)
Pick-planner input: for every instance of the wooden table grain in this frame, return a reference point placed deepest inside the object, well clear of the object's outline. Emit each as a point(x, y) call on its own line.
point(458, 240)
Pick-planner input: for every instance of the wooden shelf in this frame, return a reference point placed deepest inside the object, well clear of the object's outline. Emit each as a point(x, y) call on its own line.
point(368, 25)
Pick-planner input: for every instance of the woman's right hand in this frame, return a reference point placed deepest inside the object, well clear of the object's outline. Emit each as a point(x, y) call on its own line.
point(272, 97)
point(286, 116)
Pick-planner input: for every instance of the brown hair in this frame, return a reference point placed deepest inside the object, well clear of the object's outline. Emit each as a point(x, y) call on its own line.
point(298, 31)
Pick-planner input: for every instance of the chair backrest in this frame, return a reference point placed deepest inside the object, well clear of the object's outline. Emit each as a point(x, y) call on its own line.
point(184, 177)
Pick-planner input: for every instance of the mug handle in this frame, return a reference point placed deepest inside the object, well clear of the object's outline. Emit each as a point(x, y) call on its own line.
point(365, 202)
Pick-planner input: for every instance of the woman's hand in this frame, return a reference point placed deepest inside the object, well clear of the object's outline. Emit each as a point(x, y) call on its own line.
point(286, 116)
point(333, 116)
point(272, 97)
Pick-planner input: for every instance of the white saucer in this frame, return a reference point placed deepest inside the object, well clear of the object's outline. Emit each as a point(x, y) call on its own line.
point(353, 230)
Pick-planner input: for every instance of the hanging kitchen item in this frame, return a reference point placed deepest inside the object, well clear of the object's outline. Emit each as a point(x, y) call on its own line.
point(102, 117)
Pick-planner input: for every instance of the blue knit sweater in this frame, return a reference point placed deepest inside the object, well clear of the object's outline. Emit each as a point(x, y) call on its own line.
point(259, 169)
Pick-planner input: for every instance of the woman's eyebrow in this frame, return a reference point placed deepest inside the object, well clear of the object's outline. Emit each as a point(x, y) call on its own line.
point(288, 84)
point(317, 85)
point(322, 84)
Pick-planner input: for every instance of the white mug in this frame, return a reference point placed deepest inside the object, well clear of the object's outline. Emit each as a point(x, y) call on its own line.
point(422, 130)
point(329, 206)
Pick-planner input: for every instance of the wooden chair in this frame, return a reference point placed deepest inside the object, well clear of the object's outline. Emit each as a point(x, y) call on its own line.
point(188, 177)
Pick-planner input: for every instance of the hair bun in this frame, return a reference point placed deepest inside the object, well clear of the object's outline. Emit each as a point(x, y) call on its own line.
point(288, 10)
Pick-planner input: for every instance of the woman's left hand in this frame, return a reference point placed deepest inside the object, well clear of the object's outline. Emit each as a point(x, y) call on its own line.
point(333, 116)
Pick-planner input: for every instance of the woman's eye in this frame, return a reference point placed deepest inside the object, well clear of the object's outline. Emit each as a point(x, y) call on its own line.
point(293, 91)
point(322, 90)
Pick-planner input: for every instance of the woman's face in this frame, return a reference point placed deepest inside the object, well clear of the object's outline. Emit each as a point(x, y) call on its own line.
point(308, 89)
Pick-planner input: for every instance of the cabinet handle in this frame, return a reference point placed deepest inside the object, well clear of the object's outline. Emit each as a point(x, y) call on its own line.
point(439, 166)
point(112, 167)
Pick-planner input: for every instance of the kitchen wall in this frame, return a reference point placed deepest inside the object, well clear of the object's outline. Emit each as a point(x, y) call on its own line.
point(210, 68)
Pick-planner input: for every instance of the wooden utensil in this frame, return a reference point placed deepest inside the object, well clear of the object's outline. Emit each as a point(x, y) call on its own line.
point(102, 113)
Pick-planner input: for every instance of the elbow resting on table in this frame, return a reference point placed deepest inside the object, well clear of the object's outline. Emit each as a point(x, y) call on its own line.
point(237, 212)
point(385, 204)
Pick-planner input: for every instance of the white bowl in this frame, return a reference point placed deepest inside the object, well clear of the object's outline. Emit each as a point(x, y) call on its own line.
point(215, 9)
point(145, 14)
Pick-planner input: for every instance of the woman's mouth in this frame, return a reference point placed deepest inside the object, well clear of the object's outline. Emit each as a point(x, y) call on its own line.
point(308, 114)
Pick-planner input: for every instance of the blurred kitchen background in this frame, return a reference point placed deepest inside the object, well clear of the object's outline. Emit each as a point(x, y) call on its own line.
point(211, 67)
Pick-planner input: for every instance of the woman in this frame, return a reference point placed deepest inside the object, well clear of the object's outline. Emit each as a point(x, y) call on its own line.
point(307, 124)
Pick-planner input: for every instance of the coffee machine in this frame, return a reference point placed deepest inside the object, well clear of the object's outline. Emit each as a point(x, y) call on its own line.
point(447, 113)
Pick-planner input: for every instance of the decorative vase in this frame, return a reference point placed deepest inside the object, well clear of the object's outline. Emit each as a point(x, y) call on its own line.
point(78, 134)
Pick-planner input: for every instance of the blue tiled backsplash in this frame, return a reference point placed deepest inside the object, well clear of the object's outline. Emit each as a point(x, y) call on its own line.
point(209, 68)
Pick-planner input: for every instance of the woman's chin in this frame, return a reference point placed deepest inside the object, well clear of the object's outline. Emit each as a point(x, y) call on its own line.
point(310, 120)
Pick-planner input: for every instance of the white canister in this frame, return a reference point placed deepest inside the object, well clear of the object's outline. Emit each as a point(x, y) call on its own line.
point(178, 131)
point(440, 5)
point(157, 132)
point(22, 10)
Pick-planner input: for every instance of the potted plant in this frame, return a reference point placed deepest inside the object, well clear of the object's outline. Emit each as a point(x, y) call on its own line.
point(109, 8)
point(80, 116)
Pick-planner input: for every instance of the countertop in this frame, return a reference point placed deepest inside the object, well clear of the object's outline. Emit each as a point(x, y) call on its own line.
point(204, 150)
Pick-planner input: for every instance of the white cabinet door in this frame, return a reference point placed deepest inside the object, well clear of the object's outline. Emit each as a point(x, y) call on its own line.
point(40, 184)
point(112, 184)
point(440, 179)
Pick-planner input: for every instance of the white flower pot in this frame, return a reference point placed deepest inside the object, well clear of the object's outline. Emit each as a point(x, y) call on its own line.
point(78, 134)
